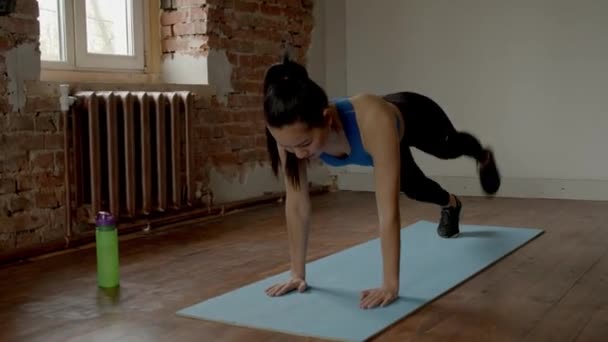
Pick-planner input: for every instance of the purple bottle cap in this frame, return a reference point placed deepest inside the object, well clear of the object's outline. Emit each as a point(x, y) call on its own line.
point(105, 218)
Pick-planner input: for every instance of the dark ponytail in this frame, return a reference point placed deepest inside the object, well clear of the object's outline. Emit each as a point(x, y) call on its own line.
point(291, 96)
point(292, 163)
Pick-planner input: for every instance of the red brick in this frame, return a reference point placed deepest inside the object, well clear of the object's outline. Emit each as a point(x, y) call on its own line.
point(20, 122)
point(6, 43)
point(260, 141)
point(21, 142)
point(233, 58)
point(27, 238)
point(262, 155)
point(7, 186)
point(24, 221)
point(54, 231)
point(26, 182)
point(27, 7)
point(220, 145)
point(246, 61)
point(198, 13)
point(263, 48)
point(243, 46)
point(247, 156)
point(245, 19)
point(249, 74)
point(46, 199)
point(189, 3)
point(45, 123)
point(197, 27)
point(60, 192)
point(245, 142)
point(293, 12)
point(245, 6)
point(14, 162)
point(53, 141)
point(4, 210)
point(261, 34)
point(302, 40)
point(308, 4)
point(224, 117)
point(166, 31)
point(4, 105)
point(239, 129)
point(42, 89)
point(174, 44)
point(225, 158)
point(237, 100)
point(7, 241)
point(293, 3)
point(237, 144)
point(217, 132)
point(42, 104)
point(219, 3)
point(252, 37)
point(247, 86)
point(48, 180)
point(173, 17)
point(197, 42)
point(19, 203)
point(59, 161)
point(42, 161)
point(278, 23)
point(268, 9)
point(266, 60)
point(21, 26)
point(216, 14)
point(245, 116)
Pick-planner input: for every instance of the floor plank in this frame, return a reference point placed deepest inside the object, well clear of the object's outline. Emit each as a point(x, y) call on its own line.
point(551, 289)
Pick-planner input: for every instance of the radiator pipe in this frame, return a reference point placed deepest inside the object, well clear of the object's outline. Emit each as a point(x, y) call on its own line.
point(194, 216)
point(66, 102)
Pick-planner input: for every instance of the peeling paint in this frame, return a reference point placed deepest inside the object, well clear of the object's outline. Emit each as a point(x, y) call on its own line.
point(232, 183)
point(22, 64)
point(185, 69)
point(220, 72)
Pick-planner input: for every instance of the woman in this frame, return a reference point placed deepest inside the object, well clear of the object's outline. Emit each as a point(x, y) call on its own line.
point(364, 130)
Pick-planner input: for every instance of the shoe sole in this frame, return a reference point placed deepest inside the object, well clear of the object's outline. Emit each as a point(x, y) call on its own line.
point(458, 233)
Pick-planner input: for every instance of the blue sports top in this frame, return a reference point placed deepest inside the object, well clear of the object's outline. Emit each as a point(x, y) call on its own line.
point(358, 155)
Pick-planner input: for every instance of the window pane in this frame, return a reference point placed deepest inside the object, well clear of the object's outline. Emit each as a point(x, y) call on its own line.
point(50, 30)
point(109, 24)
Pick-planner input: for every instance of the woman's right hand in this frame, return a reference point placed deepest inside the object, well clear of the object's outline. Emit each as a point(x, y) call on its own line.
point(287, 286)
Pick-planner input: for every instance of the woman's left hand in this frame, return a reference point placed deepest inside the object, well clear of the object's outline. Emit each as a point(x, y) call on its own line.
point(372, 298)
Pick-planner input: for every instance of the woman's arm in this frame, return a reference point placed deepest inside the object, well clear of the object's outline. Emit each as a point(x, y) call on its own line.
point(297, 214)
point(381, 139)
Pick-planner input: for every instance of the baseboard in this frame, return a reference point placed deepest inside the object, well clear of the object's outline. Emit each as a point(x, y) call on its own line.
point(511, 187)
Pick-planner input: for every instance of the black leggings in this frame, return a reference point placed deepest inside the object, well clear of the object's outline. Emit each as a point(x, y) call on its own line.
point(428, 128)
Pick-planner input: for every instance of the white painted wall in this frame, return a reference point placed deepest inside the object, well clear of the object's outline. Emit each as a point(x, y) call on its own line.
point(528, 77)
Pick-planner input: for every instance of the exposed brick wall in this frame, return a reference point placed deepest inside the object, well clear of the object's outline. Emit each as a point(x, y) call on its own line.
point(31, 146)
point(228, 128)
point(252, 35)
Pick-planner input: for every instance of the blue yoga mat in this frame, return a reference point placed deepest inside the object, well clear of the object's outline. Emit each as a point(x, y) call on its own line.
point(430, 267)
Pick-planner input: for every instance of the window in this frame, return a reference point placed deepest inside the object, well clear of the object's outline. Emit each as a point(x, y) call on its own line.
point(92, 34)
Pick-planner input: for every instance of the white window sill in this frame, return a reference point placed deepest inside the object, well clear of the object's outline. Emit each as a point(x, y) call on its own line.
point(118, 80)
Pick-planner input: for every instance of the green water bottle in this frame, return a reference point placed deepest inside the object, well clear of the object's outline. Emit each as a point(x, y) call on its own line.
point(106, 237)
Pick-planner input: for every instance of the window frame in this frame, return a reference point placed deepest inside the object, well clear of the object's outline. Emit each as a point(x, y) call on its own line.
point(73, 27)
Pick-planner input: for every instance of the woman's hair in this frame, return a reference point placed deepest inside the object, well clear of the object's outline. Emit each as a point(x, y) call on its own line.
point(290, 96)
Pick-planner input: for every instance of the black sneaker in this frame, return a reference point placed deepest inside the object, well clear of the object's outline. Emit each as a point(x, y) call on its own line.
point(450, 220)
point(489, 176)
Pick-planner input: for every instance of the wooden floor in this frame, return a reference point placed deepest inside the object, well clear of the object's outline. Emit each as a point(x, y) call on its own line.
point(553, 289)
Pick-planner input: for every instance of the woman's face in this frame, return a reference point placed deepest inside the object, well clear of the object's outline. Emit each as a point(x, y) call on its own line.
point(300, 139)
